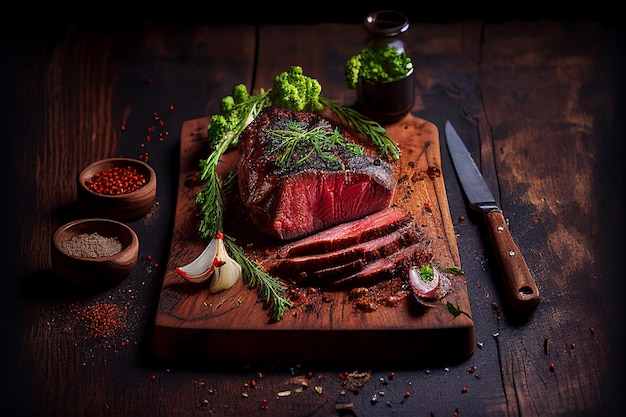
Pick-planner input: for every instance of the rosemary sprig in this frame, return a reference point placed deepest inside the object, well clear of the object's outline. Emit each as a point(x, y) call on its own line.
point(271, 290)
point(366, 126)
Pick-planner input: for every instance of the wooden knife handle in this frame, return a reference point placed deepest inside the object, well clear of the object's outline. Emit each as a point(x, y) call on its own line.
point(520, 286)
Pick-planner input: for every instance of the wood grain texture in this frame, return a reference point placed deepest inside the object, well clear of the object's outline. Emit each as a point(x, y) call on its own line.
point(235, 324)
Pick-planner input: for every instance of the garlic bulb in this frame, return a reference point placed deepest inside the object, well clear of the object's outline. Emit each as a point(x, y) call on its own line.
point(214, 262)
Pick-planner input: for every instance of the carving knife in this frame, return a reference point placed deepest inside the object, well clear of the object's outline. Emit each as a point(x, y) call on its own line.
point(520, 287)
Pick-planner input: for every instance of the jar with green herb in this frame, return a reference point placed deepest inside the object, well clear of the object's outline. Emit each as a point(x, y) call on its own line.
point(382, 73)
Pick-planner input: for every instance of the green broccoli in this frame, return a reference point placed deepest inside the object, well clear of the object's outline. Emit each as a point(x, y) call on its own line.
point(227, 104)
point(236, 113)
point(293, 90)
point(352, 70)
point(377, 65)
point(240, 93)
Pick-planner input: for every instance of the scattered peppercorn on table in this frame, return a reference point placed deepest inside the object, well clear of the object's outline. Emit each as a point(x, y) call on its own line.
point(537, 101)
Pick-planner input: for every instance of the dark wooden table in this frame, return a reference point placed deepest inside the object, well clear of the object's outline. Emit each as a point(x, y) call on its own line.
point(540, 103)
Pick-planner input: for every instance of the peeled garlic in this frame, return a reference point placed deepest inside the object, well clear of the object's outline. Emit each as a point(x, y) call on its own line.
point(227, 271)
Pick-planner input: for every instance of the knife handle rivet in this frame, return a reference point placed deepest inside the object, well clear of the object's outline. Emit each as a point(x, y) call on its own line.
point(500, 228)
point(511, 253)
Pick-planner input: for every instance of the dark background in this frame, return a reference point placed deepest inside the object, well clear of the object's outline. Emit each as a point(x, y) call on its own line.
point(117, 13)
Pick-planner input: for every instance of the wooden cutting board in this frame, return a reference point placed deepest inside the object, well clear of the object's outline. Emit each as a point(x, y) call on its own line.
point(232, 326)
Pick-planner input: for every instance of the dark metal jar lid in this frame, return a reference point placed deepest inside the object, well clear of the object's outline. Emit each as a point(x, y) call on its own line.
point(386, 23)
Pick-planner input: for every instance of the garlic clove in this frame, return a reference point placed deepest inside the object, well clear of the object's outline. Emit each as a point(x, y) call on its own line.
point(225, 276)
point(227, 271)
point(202, 268)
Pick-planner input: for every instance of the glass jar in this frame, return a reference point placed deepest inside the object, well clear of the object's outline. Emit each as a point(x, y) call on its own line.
point(386, 102)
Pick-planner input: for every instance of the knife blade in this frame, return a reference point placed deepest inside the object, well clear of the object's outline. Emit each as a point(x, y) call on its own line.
point(519, 285)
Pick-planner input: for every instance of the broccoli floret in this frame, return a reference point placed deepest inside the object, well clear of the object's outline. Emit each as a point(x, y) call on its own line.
point(377, 65)
point(236, 112)
point(293, 90)
point(240, 93)
point(353, 68)
point(227, 105)
point(221, 127)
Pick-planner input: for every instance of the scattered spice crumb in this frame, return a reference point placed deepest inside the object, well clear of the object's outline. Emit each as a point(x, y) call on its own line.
point(356, 380)
point(102, 320)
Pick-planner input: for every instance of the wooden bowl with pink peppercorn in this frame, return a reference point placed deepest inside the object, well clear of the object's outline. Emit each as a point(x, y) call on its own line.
point(121, 189)
point(94, 252)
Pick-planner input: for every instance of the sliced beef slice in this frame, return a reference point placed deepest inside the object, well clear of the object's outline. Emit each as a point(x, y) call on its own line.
point(317, 269)
point(347, 234)
point(395, 266)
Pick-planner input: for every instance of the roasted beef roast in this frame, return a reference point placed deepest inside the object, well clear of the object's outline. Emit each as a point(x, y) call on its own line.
point(293, 183)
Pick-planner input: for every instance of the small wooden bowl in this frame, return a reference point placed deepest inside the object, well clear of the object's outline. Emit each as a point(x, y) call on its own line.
point(123, 207)
point(91, 271)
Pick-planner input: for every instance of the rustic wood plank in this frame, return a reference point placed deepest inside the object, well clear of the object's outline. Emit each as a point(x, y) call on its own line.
point(542, 188)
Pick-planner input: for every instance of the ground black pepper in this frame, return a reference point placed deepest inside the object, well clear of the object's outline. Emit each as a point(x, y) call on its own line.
point(91, 245)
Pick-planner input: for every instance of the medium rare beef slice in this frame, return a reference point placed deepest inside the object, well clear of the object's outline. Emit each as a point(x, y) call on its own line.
point(299, 174)
point(318, 268)
point(347, 234)
point(396, 265)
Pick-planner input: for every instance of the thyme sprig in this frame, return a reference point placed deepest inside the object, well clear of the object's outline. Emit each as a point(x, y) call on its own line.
point(299, 142)
point(366, 126)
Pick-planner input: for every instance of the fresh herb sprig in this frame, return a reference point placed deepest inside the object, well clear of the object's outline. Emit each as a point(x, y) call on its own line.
point(455, 310)
point(299, 142)
point(365, 126)
point(271, 290)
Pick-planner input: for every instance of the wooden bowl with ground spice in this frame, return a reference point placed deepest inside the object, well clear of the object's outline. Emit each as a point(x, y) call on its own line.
point(94, 252)
point(121, 189)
